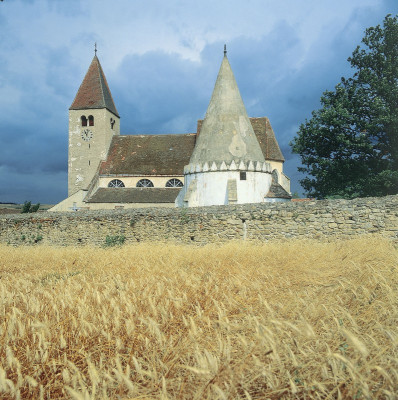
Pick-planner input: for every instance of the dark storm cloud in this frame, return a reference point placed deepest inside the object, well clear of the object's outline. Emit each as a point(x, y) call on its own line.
point(155, 90)
point(60, 73)
point(33, 150)
point(21, 186)
point(34, 128)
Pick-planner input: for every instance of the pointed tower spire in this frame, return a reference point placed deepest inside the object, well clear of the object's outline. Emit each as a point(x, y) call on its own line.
point(226, 133)
point(94, 91)
point(227, 165)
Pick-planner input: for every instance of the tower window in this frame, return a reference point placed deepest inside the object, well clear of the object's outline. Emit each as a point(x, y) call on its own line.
point(90, 120)
point(115, 183)
point(144, 183)
point(174, 183)
point(112, 123)
point(84, 120)
point(242, 175)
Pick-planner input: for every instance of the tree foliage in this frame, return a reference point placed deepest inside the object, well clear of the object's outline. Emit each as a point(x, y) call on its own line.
point(349, 147)
point(29, 208)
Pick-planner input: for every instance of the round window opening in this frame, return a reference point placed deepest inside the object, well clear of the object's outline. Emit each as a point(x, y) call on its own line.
point(174, 183)
point(144, 183)
point(116, 183)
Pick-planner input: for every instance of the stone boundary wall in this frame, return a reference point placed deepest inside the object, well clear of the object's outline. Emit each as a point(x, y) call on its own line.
point(320, 219)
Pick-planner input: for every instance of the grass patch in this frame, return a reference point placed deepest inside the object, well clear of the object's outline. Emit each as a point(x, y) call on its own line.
point(116, 240)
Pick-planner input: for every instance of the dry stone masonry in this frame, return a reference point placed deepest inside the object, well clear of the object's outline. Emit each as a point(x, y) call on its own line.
point(253, 222)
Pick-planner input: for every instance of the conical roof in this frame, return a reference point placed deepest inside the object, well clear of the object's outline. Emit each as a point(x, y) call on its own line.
point(94, 91)
point(226, 133)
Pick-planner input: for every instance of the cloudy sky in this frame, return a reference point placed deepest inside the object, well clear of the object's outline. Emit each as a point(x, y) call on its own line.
point(161, 60)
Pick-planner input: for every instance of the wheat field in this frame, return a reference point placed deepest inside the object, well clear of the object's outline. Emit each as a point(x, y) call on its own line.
point(291, 320)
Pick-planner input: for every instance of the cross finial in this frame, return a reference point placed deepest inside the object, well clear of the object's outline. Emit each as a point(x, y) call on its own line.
point(225, 50)
point(95, 48)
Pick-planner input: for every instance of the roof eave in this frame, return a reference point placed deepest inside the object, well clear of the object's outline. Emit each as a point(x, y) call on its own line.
point(94, 108)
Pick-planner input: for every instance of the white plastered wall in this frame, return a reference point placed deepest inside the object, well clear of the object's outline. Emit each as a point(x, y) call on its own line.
point(211, 188)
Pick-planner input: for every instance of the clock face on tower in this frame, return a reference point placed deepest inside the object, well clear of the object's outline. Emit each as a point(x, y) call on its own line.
point(87, 134)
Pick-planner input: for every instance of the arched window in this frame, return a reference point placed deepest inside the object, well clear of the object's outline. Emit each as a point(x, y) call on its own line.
point(116, 183)
point(90, 120)
point(174, 183)
point(84, 120)
point(144, 183)
point(275, 176)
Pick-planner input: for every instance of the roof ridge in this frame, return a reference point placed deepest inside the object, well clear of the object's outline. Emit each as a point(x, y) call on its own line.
point(272, 144)
point(101, 80)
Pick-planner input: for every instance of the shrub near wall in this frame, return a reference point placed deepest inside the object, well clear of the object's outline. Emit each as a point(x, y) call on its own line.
point(266, 221)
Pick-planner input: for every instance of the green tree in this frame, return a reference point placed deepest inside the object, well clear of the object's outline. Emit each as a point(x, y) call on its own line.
point(349, 147)
point(35, 208)
point(26, 207)
point(29, 208)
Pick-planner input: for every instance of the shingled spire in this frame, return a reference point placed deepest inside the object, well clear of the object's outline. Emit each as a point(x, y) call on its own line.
point(226, 134)
point(94, 91)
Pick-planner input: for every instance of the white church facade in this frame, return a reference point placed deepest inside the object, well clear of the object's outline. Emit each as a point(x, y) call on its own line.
point(231, 159)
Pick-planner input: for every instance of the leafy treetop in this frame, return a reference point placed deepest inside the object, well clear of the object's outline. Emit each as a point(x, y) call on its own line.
point(349, 148)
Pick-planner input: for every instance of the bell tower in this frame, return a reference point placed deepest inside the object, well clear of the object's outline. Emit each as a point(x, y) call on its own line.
point(93, 121)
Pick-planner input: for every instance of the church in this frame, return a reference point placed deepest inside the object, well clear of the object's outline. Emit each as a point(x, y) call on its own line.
point(230, 159)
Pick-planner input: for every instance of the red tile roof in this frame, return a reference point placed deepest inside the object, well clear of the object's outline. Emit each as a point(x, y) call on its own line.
point(94, 91)
point(168, 154)
point(134, 195)
point(148, 155)
point(266, 137)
